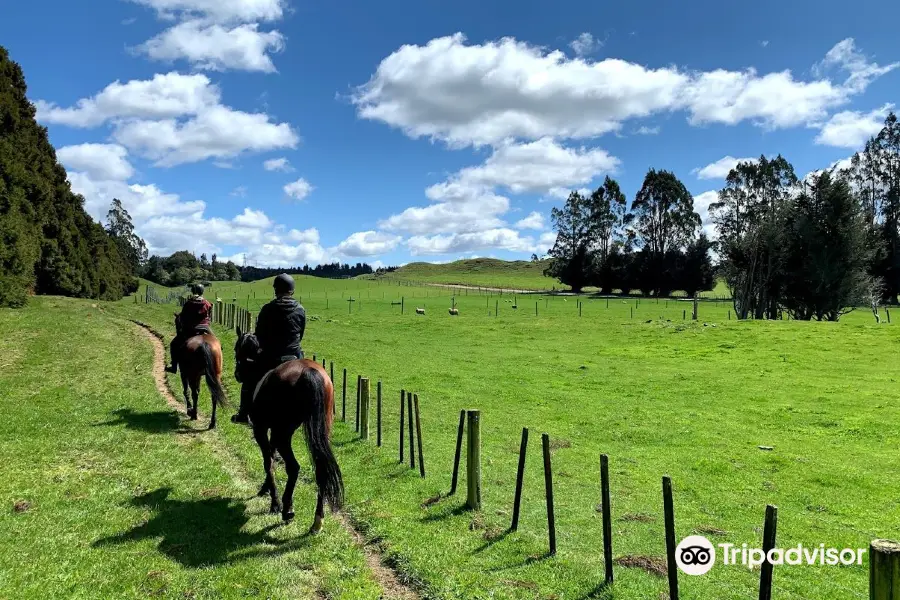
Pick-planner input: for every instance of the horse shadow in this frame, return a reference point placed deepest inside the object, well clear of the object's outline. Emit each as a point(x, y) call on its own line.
point(201, 533)
point(160, 421)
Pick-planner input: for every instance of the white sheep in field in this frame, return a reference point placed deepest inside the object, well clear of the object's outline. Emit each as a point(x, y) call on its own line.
point(420, 311)
point(454, 311)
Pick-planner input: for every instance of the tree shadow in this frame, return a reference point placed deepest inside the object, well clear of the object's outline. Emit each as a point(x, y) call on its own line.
point(149, 422)
point(201, 533)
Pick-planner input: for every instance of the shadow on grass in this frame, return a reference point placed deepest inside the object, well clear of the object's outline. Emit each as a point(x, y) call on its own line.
point(491, 542)
point(200, 533)
point(522, 563)
point(447, 514)
point(160, 421)
point(601, 592)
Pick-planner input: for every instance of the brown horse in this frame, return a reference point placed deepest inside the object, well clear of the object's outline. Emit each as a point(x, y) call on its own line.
point(293, 394)
point(201, 356)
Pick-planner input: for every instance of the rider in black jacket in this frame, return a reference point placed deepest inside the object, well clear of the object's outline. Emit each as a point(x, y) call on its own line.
point(279, 330)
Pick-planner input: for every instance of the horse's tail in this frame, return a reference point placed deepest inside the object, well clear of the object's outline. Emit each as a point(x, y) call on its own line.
point(212, 379)
point(328, 473)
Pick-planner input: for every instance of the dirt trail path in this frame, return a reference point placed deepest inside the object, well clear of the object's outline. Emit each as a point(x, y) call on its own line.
point(390, 583)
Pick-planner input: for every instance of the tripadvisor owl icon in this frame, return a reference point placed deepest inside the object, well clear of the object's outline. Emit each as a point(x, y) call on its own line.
point(695, 555)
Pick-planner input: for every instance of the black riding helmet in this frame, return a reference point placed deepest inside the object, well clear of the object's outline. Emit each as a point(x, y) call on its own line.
point(197, 289)
point(283, 283)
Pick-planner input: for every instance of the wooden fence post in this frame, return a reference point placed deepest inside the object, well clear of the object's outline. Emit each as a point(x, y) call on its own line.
point(419, 436)
point(520, 473)
point(364, 408)
point(669, 517)
point(459, 436)
point(473, 460)
point(884, 570)
point(548, 487)
point(344, 398)
point(378, 409)
point(402, 412)
point(412, 438)
point(358, 380)
point(696, 306)
point(607, 518)
point(765, 573)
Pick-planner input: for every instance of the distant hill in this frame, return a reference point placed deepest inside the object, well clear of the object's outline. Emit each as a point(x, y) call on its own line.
point(484, 272)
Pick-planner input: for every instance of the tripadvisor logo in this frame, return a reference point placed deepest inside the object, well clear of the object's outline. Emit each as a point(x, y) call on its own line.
point(695, 555)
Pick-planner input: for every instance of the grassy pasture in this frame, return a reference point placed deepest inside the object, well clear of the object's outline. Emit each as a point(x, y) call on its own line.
point(661, 397)
point(493, 273)
point(107, 493)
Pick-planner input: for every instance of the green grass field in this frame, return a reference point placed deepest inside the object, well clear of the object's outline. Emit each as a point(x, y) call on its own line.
point(485, 272)
point(109, 494)
point(493, 273)
point(630, 378)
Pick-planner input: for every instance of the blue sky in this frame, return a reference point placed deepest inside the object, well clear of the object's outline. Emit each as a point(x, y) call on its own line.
point(304, 132)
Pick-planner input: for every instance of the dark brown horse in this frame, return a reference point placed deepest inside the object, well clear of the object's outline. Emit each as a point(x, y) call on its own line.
point(297, 392)
point(201, 356)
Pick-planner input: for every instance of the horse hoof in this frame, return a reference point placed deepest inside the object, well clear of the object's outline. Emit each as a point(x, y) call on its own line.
point(274, 509)
point(316, 527)
point(212, 425)
point(287, 516)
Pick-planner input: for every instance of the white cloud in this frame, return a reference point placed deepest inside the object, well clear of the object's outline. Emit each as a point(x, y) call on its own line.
point(457, 209)
point(218, 132)
point(562, 193)
point(701, 207)
point(533, 221)
point(764, 43)
point(644, 130)
point(307, 236)
point(220, 11)
point(476, 94)
point(368, 243)
point(164, 96)
point(538, 167)
point(99, 161)
point(278, 164)
point(253, 218)
point(546, 242)
point(298, 190)
point(141, 201)
point(585, 44)
point(215, 47)
point(851, 129)
point(168, 224)
point(239, 192)
point(845, 57)
point(499, 238)
point(721, 168)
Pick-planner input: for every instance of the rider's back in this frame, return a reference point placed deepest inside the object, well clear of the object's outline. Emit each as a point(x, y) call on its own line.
point(280, 326)
point(195, 313)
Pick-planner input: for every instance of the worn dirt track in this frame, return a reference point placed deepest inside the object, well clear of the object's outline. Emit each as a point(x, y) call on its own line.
point(391, 585)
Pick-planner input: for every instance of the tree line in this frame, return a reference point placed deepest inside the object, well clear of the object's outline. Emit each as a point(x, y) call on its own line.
point(335, 270)
point(813, 248)
point(48, 242)
point(183, 267)
point(655, 247)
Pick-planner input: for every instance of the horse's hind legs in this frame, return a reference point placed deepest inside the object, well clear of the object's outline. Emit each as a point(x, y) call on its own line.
point(283, 443)
point(195, 396)
point(320, 515)
point(187, 400)
point(262, 440)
